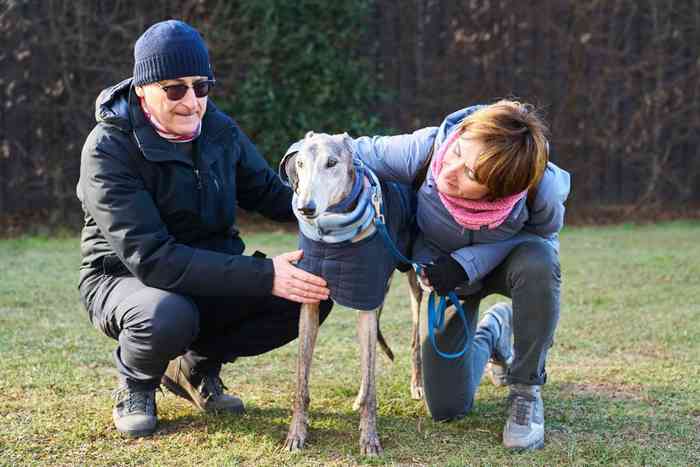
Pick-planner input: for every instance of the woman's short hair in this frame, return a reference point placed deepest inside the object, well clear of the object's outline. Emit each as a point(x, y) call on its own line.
point(515, 143)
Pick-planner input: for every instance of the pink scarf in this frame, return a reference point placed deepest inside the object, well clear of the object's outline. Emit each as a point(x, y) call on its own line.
point(473, 214)
point(160, 129)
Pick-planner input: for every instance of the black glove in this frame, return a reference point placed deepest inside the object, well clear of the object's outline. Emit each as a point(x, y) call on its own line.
point(445, 274)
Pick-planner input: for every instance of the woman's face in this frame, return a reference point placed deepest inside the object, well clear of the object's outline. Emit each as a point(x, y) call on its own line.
point(182, 116)
point(457, 175)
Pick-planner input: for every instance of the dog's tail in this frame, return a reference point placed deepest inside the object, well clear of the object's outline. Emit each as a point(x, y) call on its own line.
point(380, 337)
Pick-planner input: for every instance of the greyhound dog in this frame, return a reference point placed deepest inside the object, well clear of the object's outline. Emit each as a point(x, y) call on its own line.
point(324, 174)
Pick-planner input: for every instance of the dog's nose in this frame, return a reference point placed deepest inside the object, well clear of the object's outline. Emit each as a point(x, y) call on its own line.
point(309, 209)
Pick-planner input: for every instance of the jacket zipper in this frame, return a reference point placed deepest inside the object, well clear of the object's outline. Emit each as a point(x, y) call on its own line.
point(199, 179)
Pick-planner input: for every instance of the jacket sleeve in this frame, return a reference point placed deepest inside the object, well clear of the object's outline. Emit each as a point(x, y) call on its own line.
point(114, 194)
point(259, 188)
point(396, 158)
point(547, 213)
point(480, 259)
point(544, 224)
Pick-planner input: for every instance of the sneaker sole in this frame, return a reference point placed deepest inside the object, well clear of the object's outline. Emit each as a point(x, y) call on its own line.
point(497, 372)
point(137, 434)
point(533, 447)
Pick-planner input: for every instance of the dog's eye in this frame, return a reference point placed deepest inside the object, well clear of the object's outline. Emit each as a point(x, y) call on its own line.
point(331, 163)
point(300, 163)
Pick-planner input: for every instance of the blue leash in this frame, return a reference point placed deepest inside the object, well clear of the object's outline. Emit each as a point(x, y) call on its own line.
point(436, 316)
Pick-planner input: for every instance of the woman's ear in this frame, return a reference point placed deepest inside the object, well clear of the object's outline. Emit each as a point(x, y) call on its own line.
point(139, 90)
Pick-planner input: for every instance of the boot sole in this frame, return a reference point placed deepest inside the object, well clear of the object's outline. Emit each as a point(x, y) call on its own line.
point(178, 390)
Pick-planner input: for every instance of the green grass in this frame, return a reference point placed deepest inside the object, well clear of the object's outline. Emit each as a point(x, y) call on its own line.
point(624, 373)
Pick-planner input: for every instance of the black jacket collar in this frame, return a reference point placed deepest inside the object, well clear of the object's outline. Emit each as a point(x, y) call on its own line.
point(119, 106)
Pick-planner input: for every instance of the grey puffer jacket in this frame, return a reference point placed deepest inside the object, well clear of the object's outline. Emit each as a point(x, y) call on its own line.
point(166, 215)
point(399, 158)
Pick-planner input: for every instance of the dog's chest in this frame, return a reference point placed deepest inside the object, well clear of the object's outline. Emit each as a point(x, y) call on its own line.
point(357, 273)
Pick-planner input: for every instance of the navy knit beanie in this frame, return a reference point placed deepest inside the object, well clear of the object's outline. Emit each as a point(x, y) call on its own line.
point(169, 50)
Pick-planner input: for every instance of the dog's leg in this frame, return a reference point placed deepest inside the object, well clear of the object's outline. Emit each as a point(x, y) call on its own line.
point(367, 335)
point(308, 330)
point(382, 343)
point(417, 368)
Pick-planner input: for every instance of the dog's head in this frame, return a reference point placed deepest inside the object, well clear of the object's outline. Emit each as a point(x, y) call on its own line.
point(321, 172)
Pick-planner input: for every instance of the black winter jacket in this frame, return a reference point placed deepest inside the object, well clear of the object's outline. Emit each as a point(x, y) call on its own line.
point(166, 216)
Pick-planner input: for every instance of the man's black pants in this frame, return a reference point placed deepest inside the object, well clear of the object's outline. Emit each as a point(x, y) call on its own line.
point(153, 326)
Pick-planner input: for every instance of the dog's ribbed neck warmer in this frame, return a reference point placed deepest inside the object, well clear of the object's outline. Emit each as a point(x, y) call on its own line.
point(335, 226)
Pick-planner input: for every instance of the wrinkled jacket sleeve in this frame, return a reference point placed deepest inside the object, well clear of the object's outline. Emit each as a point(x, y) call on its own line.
point(396, 158)
point(259, 187)
point(114, 194)
point(545, 221)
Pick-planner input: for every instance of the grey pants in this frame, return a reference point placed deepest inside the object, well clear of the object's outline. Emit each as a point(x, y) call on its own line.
point(154, 326)
point(531, 277)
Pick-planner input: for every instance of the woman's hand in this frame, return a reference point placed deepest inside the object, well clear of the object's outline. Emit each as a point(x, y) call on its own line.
point(294, 284)
point(445, 274)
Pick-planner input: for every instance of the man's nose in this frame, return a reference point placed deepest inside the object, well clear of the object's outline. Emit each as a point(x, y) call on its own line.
point(190, 99)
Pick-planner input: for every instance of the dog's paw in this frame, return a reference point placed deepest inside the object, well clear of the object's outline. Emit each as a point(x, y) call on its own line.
point(416, 392)
point(296, 437)
point(294, 443)
point(369, 445)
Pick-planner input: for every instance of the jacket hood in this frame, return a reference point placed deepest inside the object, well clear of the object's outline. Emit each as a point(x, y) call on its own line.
point(449, 125)
point(112, 105)
point(118, 106)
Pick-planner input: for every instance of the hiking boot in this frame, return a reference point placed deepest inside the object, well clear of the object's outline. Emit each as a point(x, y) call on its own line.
point(524, 429)
point(208, 395)
point(134, 412)
point(499, 319)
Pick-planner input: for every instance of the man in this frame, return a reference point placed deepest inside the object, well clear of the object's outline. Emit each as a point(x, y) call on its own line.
point(163, 271)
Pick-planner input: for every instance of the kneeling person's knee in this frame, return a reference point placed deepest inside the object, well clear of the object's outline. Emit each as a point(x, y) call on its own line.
point(174, 324)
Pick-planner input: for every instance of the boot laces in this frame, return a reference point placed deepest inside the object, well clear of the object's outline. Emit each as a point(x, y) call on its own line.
point(523, 407)
point(136, 401)
point(212, 387)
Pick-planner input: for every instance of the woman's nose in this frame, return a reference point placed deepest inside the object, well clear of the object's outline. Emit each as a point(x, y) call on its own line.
point(451, 167)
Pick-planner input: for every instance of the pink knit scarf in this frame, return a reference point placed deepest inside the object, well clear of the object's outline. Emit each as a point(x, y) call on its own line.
point(160, 129)
point(473, 214)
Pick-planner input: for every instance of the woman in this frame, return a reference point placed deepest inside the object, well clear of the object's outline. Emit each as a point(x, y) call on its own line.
point(163, 271)
point(489, 210)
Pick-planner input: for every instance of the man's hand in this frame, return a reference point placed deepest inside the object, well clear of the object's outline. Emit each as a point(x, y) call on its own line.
point(294, 284)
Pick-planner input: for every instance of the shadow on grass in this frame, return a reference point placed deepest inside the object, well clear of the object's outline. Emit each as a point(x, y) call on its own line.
point(328, 429)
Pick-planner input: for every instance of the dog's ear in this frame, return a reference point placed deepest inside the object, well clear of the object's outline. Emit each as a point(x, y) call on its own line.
point(290, 168)
point(349, 143)
point(309, 135)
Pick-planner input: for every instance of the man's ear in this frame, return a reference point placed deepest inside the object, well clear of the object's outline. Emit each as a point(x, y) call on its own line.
point(139, 90)
point(290, 168)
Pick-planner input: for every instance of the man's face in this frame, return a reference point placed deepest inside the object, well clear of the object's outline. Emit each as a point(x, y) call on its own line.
point(180, 116)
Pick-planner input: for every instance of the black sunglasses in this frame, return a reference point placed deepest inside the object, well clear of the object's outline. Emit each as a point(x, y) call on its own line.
point(175, 92)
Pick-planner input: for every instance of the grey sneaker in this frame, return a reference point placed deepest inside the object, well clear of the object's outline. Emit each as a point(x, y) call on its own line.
point(499, 318)
point(134, 412)
point(208, 395)
point(524, 429)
